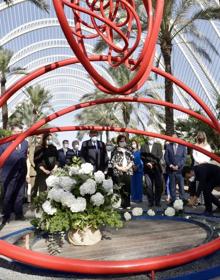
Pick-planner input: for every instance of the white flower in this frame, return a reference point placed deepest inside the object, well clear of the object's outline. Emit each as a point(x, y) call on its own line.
point(127, 216)
point(170, 211)
point(79, 205)
point(137, 211)
point(116, 201)
point(97, 199)
point(55, 194)
point(67, 183)
point(150, 212)
point(38, 214)
point(86, 168)
point(52, 181)
point(47, 207)
point(178, 204)
point(88, 187)
point(108, 185)
point(67, 199)
point(74, 170)
point(99, 176)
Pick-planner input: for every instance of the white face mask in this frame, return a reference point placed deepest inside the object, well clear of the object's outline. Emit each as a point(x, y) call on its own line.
point(66, 146)
point(94, 138)
point(122, 144)
point(76, 147)
point(192, 179)
point(109, 148)
point(134, 146)
point(49, 142)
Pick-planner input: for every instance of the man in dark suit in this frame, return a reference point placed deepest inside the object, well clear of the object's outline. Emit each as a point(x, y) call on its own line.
point(74, 152)
point(94, 152)
point(175, 158)
point(63, 153)
point(13, 176)
point(151, 154)
point(208, 176)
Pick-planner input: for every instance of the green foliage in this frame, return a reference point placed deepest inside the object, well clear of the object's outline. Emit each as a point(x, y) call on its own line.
point(4, 133)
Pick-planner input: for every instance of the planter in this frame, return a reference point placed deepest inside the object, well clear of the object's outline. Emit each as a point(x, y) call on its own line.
point(85, 237)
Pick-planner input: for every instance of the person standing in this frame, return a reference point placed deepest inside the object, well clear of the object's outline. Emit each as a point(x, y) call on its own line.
point(63, 153)
point(208, 177)
point(122, 162)
point(74, 152)
point(94, 152)
point(46, 160)
point(137, 178)
point(13, 175)
point(151, 154)
point(175, 158)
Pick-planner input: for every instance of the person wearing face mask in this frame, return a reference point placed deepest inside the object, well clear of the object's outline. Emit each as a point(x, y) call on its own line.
point(94, 152)
point(73, 153)
point(13, 177)
point(63, 153)
point(137, 178)
point(46, 160)
point(208, 177)
point(123, 162)
point(151, 155)
point(110, 152)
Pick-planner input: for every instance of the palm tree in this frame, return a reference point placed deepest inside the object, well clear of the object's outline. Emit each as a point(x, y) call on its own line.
point(179, 18)
point(5, 70)
point(35, 107)
point(38, 3)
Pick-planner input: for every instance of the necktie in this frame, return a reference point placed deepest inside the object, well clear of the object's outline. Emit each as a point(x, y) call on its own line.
point(174, 148)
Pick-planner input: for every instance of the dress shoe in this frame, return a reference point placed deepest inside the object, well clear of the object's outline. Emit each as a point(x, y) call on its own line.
point(20, 218)
point(4, 222)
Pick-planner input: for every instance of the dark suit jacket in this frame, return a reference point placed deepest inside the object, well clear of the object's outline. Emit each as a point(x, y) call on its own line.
point(62, 158)
point(70, 154)
point(97, 157)
point(16, 162)
point(208, 176)
point(154, 156)
point(178, 159)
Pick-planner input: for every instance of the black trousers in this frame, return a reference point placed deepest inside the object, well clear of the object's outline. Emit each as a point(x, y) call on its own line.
point(125, 190)
point(209, 198)
point(39, 184)
point(13, 194)
point(155, 188)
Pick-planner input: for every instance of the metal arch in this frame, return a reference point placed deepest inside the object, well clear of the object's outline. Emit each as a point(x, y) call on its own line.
point(4, 6)
point(34, 25)
point(193, 67)
point(39, 46)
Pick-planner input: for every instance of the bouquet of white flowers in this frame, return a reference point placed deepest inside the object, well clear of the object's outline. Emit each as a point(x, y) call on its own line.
point(77, 199)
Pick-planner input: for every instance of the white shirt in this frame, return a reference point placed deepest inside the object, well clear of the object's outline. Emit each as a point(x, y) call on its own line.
point(199, 157)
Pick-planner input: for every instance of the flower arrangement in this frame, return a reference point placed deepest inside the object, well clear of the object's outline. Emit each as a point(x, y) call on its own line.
point(77, 199)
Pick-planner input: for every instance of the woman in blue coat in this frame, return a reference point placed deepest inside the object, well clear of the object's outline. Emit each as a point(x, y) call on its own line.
point(137, 178)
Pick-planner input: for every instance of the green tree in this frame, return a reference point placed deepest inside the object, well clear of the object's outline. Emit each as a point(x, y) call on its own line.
point(179, 17)
point(38, 3)
point(5, 71)
point(33, 108)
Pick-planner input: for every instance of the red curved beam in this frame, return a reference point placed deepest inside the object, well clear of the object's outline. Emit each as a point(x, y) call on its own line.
point(55, 115)
point(36, 73)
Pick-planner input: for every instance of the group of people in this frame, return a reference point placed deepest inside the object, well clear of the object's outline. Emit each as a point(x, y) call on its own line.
point(129, 165)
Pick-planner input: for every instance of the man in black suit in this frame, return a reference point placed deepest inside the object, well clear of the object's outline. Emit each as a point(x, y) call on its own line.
point(63, 153)
point(74, 152)
point(208, 176)
point(13, 176)
point(151, 154)
point(94, 152)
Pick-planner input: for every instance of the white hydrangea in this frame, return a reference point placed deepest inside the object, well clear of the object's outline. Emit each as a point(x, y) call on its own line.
point(55, 194)
point(79, 205)
point(67, 183)
point(97, 199)
point(67, 199)
point(86, 168)
point(108, 185)
point(52, 181)
point(137, 211)
point(38, 214)
point(150, 212)
point(127, 216)
point(88, 187)
point(170, 211)
point(74, 170)
point(178, 204)
point(47, 207)
point(99, 176)
point(116, 201)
